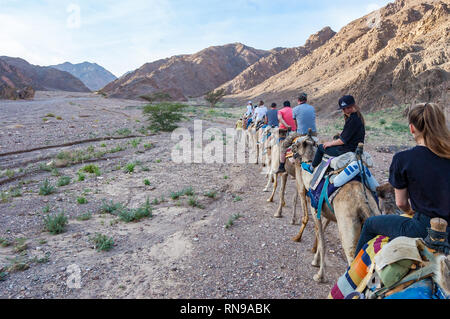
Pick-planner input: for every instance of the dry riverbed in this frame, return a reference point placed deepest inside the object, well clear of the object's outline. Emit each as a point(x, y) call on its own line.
point(210, 232)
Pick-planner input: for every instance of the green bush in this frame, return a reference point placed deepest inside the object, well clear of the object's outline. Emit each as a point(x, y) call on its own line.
point(46, 188)
point(55, 224)
point(63, 181)
point(81, 200)
point(130, 214)
point(164, 116)
point(102, 242)
point(129, 168)
point(211, 194)
point(91, 169)
point(111, 207)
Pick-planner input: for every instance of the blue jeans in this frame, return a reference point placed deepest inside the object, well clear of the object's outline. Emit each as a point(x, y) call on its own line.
point(393, 226)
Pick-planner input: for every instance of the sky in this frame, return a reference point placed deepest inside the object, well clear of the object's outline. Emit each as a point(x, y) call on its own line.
point(123, 35)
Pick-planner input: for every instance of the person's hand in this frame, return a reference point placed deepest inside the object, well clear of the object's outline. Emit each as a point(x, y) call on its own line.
point(326, 145)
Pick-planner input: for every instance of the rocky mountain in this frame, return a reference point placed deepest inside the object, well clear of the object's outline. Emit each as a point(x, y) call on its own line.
point(395, 55)
point(279, 60)
point(13, 83)
point(19, 72)
point(91, 74)
point(183, 76)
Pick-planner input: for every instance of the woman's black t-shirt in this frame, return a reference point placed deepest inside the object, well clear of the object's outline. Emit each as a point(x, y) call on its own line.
point(353, 133)
point(427, 178)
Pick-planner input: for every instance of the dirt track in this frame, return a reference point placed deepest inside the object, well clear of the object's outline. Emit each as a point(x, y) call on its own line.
point(182, 251)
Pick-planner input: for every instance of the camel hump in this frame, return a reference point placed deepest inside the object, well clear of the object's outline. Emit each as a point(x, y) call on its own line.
point(438, 224)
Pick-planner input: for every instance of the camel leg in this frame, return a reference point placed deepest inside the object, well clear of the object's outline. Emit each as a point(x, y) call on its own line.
point(275, 185)
point(284, 178)
point(294, 208)
point(326, 222)
point(301, 191)
point(269, 181)
point(349, 231)
point(319, 257)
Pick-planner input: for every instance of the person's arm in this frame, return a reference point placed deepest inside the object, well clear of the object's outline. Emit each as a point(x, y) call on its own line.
point(401, 200)
point(280, 119)
point(333, 143)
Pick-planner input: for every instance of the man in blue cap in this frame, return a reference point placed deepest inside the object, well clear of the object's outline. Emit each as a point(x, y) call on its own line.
point(353, 133)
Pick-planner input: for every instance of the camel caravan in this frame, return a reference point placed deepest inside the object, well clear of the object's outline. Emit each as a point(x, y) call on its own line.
point(395, 235)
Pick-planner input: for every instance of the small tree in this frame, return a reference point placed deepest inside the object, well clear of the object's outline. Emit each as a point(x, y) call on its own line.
point(214, 96)
point(164, 116)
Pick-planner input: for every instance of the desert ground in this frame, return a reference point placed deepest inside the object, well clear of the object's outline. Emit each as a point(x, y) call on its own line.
point(211, 233)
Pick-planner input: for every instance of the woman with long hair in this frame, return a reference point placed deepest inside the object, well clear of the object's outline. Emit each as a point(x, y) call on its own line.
point(420, 177)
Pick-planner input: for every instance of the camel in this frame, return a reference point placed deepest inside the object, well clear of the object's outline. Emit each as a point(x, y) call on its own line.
point(275, 146)
point(306, 154)
point(350, 207)
point(252, 135)
point(271, 151)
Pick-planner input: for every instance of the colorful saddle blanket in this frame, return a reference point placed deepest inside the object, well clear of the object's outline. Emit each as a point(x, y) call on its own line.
point(358, 269)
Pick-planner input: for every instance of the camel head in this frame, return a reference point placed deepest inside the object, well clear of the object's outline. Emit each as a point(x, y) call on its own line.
point(386, 196)
point(305, 147)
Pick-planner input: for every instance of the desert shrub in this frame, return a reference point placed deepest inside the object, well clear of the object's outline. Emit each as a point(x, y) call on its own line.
point(156, 96)
point(46, 188)
point(189, 191)
point(16, 192)
point(123, 131)
point(91, 169)
point(211, 194)
point(213, 97)
point(111, 207)
point(164, 116)
point(129, 168)
point(81, 176)
point(232, 219)
point(55, 224)
point(63, 181)
point(20, 245)
point(146, 182)
point(193, 201)
point(81, 200)
point(136, 214)
point(135, 142)
point(4, 242)
point(17, 264)
point(102, 242)
point(85, 216)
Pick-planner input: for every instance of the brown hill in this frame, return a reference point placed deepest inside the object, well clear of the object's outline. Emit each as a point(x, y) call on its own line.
point(40, 78)
point(273, 64)
point(186, 75)
point(398, 54)
point(13, 83)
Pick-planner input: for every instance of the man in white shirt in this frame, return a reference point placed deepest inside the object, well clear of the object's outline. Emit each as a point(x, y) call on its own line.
point(260, 112)
point(249, 109)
